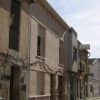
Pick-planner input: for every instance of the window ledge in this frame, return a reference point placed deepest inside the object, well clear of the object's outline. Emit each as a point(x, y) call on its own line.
point(40, 95)
point(61, 65)
point(41, 58)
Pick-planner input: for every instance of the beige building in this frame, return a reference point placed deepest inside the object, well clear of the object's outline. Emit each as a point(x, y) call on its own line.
point(37, 48)
point(83, 70)
point(76, 66)
point(31, 51)
point(14, 19)
point(71, 63)
point(94, 77)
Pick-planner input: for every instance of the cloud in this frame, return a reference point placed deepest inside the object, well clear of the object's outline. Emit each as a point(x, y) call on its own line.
point(84, 16)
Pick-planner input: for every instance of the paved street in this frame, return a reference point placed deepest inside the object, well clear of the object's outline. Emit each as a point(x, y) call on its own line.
point(96, 98)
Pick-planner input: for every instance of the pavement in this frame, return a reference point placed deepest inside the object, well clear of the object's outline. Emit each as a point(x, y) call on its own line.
point(89, 98)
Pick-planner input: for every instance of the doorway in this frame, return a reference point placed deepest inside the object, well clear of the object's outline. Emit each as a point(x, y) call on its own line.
point(15, 83)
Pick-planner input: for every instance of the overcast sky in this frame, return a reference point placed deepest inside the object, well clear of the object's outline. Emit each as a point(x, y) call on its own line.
point(84, 16)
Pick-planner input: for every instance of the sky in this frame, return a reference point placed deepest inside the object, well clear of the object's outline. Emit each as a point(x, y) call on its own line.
point(84, 17)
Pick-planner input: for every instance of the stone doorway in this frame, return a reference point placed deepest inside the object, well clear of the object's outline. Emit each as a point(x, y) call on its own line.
point(15, 83)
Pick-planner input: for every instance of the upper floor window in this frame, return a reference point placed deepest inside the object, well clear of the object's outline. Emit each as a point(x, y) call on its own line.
point(74, 54)
point(15, 25)
point(61, 52)
point(41, 41)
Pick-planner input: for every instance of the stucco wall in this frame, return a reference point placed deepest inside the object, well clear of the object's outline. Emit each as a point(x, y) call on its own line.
point(24, 30)
point(34, 34)
point(46, 18)
point(4, 24)
point(52, 49)
point(5, 21)
point(51, 53)
point(52, 29)
point(30, 26)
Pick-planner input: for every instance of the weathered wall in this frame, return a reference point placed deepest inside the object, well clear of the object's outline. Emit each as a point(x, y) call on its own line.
point(5, 21)
point(4, 29)
point(34, 34)
point(52, 55)
point(24, 30)
point(42, 14)
point(29, 29)
point(4, 24)
point(52, 49)
point(94, 79)
point(74, 52)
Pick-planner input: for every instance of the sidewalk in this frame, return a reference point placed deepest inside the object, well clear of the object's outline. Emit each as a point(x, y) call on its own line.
point(91, 98)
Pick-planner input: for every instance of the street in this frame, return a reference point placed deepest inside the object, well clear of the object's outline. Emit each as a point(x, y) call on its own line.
point(91, 98)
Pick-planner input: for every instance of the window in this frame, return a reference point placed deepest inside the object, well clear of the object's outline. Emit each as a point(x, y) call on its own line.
point(41, 41)
point(15, 25)
point(91, 88)
point(61, 52)
point(74, 54)
point(39, 44)
point(81, 67)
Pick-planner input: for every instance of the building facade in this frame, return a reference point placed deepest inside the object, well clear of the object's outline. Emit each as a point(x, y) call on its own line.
point(31, 51)
point(47, 53)
point(94, 78)
point(71, 63)
point(83, 70)
point(76, 67)
point(14, 19)
point(40, 58)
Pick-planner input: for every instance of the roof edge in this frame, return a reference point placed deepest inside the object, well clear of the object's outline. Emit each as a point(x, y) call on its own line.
point(54, 13)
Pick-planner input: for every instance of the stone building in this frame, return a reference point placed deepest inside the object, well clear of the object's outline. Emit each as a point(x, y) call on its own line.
point(47, 53)
point(40, 58)
point(14, 19)
point(94, 77)
point(71, 63)
point(83, 69)
point(31, 51)
point(76, 66)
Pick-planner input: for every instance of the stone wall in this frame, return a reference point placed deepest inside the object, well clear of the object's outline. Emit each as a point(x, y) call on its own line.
point(8, 56)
